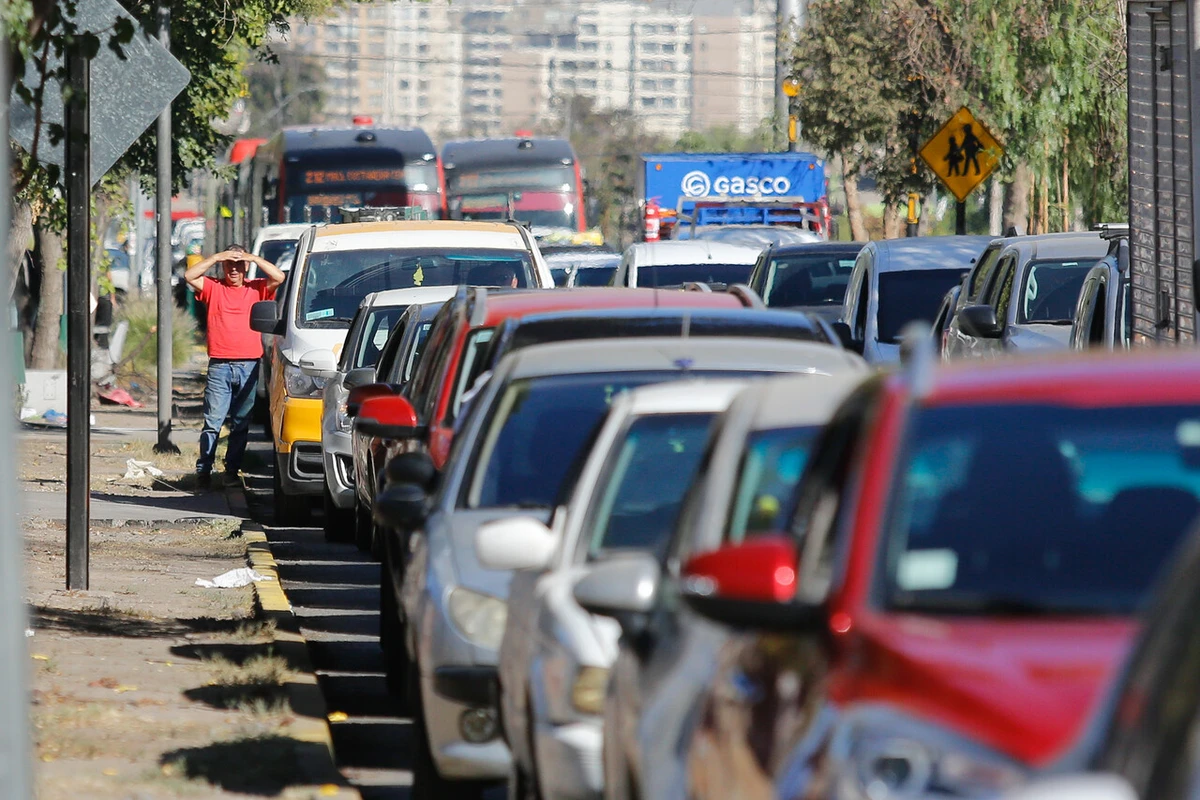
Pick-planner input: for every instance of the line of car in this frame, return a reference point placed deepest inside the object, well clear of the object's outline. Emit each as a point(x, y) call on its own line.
point(668, 542)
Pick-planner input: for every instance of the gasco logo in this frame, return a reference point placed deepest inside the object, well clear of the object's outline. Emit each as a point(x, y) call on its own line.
point(698, 184)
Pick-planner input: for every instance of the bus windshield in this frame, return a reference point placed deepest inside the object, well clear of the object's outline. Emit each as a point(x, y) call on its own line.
point(544, 197)
point(317, 192)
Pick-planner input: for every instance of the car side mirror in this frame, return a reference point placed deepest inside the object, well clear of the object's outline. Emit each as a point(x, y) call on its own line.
point(264, 318)
point(624, 586)
point(1079, 786)
point(751, 584)
point(388, 417)
point(360, 394)
point(319, 364)
point(846, 336)
point(515, 543)
point(359, 377)
point(415, 468)
point(980, 322)
point(402, 506)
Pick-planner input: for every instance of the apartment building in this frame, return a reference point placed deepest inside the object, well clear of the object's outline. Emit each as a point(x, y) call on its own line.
point(733, 71)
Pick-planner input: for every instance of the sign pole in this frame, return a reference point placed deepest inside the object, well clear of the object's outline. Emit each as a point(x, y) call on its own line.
point(79, 314)
point(960, 218)
point(163, 193)
point(15, 764)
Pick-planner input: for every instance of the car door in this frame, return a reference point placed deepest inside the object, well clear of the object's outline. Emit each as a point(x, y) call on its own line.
point(997, 295)
point(975, 286)
point(1084, 323)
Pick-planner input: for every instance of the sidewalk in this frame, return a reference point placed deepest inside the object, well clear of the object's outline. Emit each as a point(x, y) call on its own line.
point(148, 685)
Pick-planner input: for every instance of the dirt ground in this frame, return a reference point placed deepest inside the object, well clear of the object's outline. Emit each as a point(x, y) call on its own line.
point(148, 686)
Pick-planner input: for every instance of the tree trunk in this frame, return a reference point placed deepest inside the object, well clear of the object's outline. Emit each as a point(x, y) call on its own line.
point(20, 239)
point(858, 227)
point(996, 207)
point(893, 221)
point(46, 330)
point(1016, 207)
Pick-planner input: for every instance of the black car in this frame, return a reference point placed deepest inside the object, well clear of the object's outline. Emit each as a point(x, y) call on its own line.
point(810, 277)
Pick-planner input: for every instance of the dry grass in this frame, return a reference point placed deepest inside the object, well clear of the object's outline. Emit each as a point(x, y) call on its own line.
point(254, 686)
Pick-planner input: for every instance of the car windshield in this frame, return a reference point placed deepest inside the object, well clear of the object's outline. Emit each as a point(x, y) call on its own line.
point(1051, 289)
point(771, 467)
point(911, 295)
point(1028, 509)
point(375, 330)
point(649, 471)
point(536, 432)
point(336, 281)
point(677, 274)
point(810, 279)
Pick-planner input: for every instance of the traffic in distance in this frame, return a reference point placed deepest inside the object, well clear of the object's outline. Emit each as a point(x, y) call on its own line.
point(740, 511)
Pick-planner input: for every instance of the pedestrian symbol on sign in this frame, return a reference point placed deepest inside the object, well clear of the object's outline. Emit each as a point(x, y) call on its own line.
point(962, 154)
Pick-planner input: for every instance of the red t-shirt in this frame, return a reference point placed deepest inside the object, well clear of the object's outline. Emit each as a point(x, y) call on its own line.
point(229, 332)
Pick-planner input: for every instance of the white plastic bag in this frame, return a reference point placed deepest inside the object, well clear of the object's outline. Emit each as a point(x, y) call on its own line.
point(140, 469)
point(243, 576)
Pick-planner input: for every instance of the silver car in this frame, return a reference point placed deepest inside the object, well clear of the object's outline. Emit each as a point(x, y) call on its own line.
point(514, 455)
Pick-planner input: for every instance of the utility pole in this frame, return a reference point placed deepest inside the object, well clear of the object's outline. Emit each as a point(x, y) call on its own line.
point(787, 14)
point(78, 159)
point(166, 336)
point(15, 763)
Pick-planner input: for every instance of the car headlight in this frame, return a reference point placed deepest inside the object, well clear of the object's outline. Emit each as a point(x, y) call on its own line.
point(587, 693)
point(479, 617)
point(340, 420)
point(881, 754)
point(300, 385)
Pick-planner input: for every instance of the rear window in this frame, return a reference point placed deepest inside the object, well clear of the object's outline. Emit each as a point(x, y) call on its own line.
point(677, 274)
point(1051, 290)
point(817, 279)
point(911, 295)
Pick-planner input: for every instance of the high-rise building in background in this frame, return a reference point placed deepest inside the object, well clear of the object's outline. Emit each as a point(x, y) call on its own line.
point(491, 67)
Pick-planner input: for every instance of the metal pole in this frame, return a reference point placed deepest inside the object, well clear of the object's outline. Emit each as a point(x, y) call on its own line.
point(165, 298)
point(960, 218)
point(79, 315)
point(787, 13)
point(15, 757)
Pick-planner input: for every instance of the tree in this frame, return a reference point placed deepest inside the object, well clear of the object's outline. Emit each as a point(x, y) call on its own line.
point(726, 139)
point(287, 89)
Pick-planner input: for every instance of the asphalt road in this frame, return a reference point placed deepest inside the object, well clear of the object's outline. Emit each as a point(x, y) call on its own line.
point(334, 590)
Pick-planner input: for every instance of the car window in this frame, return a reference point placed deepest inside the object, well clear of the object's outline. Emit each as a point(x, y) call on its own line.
point(770, 467)
point(1097, 314)
point(1039, 508)
point(807, 279)
point(911, 295)
point(410, 358)
point(441, 337)
point(983, 271)
point(637, 501)
point(386, 364)
point(678, 274)
point(353, 336)
point(376, 328)
point(471, 365)
point(1051, 289)
point(1001, 293)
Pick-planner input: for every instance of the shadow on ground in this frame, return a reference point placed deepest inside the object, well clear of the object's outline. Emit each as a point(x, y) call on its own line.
point(109, 622)
point(263, 766)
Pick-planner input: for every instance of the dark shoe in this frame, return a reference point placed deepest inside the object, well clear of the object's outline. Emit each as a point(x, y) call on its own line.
point(203, 480)
point(233, 477)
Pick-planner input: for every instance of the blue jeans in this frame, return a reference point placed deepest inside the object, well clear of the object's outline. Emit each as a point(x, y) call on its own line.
point(228, 396)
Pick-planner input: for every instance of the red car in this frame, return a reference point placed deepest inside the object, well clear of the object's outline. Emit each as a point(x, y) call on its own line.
point(967, 551)
point(457, 350)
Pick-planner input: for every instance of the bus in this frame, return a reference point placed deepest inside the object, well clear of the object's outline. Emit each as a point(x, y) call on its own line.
point(307, 174)
point(532, 180)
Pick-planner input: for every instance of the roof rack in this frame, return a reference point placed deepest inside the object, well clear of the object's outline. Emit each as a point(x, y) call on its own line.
point(1112, 230)
point(383, 213)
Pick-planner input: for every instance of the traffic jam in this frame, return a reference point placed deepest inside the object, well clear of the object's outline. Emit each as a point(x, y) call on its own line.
point(743, 511)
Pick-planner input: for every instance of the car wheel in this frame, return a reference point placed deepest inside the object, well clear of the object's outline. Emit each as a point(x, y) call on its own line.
point(339, 523)
point(289, 511)
point(391, 641)
point(428, 784)
point(364, 526)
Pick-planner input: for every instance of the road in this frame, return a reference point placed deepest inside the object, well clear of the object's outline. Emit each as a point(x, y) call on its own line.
point(334, 591)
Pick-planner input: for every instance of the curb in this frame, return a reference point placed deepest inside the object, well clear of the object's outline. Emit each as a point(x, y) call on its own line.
point(304, 693)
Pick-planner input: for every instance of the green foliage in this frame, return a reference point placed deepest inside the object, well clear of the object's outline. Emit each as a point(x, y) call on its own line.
point(726, 139)
point(141, 343)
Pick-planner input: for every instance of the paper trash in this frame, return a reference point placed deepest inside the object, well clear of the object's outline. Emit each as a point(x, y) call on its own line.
point(140, 469)
point(244, 576)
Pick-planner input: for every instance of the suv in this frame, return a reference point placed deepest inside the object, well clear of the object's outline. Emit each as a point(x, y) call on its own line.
point(810, 277)
point(1029, 298)
point(956, 582)
point(676, 263)
point(336, 267)
point(898, 281)
point(535, 417)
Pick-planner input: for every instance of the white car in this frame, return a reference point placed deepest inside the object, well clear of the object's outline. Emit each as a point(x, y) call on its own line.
point(674, 263)
point(336, 267)
point(277, 244)
point(555, 657)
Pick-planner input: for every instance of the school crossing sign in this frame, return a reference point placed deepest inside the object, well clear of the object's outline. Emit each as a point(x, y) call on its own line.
point(963, 153)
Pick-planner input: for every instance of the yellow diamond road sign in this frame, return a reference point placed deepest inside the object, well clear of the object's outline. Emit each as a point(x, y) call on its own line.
point(963, 153)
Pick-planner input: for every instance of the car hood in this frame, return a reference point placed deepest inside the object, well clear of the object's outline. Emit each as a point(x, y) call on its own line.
point(1039, 336)
point(462, 526)
point(301, 340)
point(1024, 687)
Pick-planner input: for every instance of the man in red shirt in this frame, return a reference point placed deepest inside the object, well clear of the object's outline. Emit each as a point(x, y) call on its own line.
point(234, 352)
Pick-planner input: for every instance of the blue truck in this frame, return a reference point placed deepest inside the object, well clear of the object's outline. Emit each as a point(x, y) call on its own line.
point(683, 192)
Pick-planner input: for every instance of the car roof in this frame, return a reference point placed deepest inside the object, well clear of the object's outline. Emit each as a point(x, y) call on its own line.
point(286, 230)
point(485, 153)
point(684, 397)
point(1087, 244)
point(503, 305)
point(927, 252)
point(1142, 376)
point(411, 295)
point(793, 400)
point(690, 251)
point(734, 354)
point(350, 228)
point(816, 247)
